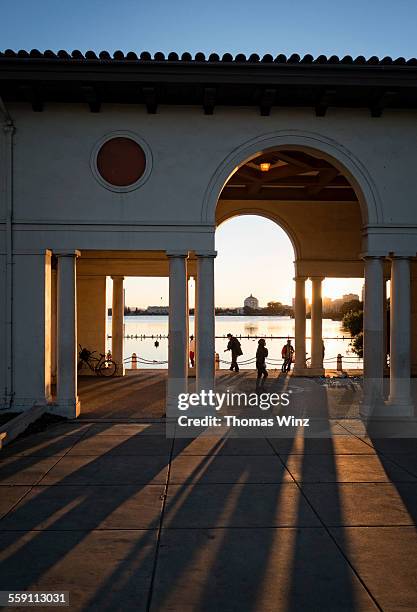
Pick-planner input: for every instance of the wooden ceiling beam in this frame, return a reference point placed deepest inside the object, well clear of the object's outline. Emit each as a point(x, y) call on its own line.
point(209, 100)
point(91, 97)
point(248, 173)
point(325, 177)
point(325, 99)
point(272, 175)
point(288, 195)
point(380, 101)
point(292, 159)
point(31, 94)
point(295, 181)
point(267, 100)
point(314, 163)
point(151, 99)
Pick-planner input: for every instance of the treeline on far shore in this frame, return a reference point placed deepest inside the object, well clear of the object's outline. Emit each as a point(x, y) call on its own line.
point(271, 309)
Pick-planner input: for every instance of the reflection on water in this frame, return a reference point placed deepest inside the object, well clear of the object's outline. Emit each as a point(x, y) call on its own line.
point(274, 329)
point(251, 328)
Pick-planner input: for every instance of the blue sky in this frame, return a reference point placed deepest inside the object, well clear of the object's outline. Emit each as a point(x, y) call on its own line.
point(366, 27)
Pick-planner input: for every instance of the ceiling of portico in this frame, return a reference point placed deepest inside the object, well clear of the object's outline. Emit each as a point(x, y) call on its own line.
point(128, 263)
point(291, 176)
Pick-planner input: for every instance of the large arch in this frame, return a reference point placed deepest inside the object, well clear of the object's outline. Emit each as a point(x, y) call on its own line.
point(329, 149)
point(338, 216)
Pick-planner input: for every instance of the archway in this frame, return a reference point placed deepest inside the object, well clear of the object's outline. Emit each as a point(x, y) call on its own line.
point(255, 264)
point(317, 205)
point(254, 271)
point(296, 140)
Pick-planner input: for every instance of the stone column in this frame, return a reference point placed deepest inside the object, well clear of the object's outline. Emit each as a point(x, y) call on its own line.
point(67, 349)
point(300, 325)
point(196, 327)
point(31, 329)
point(205, 340)
point(54, 282)
point(400, 323)
point(373, 335)
point(316, 327)
point(385, 315)
point(414, 320)
point(177, 327)
point(117, 318)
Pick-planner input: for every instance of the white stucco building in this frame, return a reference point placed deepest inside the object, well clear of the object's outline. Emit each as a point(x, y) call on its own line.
point(251, 302)
point(124, 166)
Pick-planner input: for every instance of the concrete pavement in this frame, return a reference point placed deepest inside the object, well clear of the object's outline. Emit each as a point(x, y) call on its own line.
point(124, 519)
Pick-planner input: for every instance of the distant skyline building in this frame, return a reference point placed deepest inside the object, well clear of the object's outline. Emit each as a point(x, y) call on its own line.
point(251, 302)
point(327, 304)
point(330, 305)
point(163, 310)
point(349, 297)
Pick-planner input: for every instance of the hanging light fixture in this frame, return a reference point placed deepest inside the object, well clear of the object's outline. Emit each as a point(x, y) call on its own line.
point(265, 166)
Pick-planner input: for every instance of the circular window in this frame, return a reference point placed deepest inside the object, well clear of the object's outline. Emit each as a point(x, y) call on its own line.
point(121, 162)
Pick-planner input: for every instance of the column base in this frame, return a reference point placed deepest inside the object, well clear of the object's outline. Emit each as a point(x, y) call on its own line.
point(297, 371)
point(308, 372)
point(317, 371)
point(205, 384)
point(69, 409)
point(20, 404)
point(389, 410)
point(400, 406)
point(174, 388)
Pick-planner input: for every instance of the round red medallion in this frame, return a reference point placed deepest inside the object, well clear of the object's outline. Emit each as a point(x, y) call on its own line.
point(121, 161)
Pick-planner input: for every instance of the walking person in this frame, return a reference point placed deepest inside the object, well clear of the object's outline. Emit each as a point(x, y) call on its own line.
point(261, 355)
point(234, 346)
point(287, 354)
point(192, 350)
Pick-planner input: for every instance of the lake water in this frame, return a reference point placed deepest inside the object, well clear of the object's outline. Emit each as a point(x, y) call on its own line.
point(335, 340)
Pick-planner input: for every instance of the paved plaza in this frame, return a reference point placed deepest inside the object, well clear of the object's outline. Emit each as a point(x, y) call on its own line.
point(125, 519)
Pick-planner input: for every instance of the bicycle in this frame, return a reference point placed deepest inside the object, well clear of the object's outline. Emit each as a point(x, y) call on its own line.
point(101, 366)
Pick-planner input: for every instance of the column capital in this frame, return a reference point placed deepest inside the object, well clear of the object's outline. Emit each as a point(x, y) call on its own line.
point(300, 278)
point(212, 254)
point(117, 277)
point(8, 127)
point(73, 253)
point(393, 256)
point(379, 256)
point(177, 253)
point(317, 278)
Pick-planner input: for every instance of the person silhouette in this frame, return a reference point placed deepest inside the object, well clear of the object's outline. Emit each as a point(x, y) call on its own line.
point(234, 346)
point(192, 350)
point(261, 355)
point(287, 355)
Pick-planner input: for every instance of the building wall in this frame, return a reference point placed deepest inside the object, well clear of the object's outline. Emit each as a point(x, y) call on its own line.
point(31, 328)
point(91, 315)
point(59, 205)
point(187, 148)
